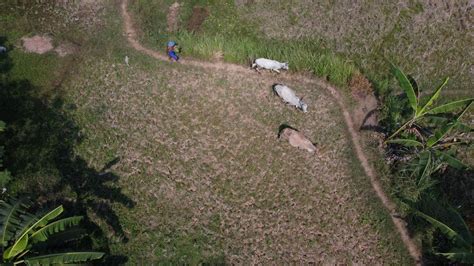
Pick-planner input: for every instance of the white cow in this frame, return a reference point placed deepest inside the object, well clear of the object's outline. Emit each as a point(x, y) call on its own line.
point(289, 96)
point(272, 65)
point(297, 139)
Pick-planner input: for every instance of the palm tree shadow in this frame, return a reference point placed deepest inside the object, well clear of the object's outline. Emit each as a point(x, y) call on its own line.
point(39, 150)
point(95, 190)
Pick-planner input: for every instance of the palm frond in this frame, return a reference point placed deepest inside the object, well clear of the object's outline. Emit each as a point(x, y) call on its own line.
point(22, 242)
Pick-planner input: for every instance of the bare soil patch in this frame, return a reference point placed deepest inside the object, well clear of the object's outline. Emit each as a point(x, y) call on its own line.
point(66, 48)
point(360, 86)
point(365, 110)
point(37, 44)
point(172, 17)
point(198, 17)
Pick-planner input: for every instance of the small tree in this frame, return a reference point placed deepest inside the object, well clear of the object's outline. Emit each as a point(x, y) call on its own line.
point(21, 232)
point(426, 133)
point(421, 111)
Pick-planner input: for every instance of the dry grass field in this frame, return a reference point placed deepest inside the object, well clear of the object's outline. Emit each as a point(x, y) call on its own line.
point(201, 174)
point(199, 156)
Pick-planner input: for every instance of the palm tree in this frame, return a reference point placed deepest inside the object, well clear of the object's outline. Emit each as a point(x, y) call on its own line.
point(21, 233)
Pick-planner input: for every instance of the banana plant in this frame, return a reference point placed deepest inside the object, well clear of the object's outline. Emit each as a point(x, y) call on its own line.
point(422, 110)
point(434, 143)
point(450, 223)
point(431, 154)
point(20, 231)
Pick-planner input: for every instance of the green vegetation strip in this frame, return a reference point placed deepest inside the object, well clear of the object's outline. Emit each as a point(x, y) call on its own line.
point(223, 34)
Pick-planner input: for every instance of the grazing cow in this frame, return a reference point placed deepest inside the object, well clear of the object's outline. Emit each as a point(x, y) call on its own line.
point(269, 64)
point(296, 139)
point(289, 96)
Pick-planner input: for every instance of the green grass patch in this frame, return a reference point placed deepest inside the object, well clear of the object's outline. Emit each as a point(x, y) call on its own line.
point(38, 69)
point(238, 41)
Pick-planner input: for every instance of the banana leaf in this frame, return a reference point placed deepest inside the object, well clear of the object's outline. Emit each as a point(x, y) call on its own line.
point(460, 256)
point(63, 258)
point(406, 142)
point(451, 161)
point(446, 108)
point(407, 87)
point(10, 219)
point(433, 98)
point(55, 227)
point(440, 134)
point(18, 247)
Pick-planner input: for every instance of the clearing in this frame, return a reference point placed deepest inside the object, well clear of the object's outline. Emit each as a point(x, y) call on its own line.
point(199, 156)
point(194, 146)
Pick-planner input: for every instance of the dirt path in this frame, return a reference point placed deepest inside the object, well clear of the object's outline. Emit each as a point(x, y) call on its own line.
point(231, 68)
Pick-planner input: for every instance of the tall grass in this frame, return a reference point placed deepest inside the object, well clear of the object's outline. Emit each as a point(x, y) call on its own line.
point(302, 55)
point(238, 42)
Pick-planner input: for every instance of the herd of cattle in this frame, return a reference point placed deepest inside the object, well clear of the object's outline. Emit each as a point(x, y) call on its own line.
point(294, 137)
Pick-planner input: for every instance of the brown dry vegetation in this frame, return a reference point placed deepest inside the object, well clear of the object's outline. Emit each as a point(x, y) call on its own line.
point(197, 18)
point(360, 86)
point(172, 17)
point(430, 39)
point(200, 156)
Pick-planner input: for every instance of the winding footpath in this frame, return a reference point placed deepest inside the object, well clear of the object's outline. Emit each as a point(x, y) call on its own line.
point(399, 223)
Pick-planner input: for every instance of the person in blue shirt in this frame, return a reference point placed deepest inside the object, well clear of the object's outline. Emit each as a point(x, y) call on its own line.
point(171, 51)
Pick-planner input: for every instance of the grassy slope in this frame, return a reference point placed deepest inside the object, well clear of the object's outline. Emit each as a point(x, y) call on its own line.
point(183, 136)
point(429, 40)
point(236, 40)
